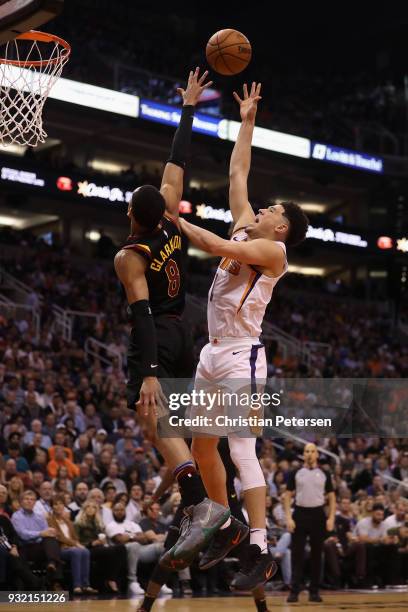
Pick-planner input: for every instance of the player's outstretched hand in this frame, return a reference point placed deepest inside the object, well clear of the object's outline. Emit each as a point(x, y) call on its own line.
point(195, 87)
point(249, 104)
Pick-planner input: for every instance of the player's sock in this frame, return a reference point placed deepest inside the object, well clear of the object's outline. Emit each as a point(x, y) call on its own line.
point(191, 487)
point(258, 536)
point(159, 576)
point(261, 605)
point(226, 524)
point(146, 604)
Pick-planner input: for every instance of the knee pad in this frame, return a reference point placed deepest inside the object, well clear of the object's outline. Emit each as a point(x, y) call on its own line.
point(243, 454)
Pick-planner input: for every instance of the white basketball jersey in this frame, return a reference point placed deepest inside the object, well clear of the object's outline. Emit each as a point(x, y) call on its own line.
point(238, 297)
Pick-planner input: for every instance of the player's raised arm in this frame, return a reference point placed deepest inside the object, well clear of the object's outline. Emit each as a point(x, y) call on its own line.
point(172, 181)
point(130, 268)
point(260, 252)
point(240, 163)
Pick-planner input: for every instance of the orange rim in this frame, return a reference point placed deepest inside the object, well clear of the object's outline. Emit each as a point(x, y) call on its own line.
point(40, 37)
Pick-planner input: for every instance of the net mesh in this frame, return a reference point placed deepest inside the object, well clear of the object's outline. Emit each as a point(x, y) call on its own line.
point(28, 71)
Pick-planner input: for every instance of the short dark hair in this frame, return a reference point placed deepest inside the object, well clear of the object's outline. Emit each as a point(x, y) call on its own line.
point(57, 499)
point(148, 206)
point(298, 223)
point(378, 507)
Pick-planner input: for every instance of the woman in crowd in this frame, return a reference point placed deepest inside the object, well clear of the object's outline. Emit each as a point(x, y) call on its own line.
point(109, 491)
point(62, 483)
point(15, 489)
point(110, 560)
point(4, 505)
point(71, 549)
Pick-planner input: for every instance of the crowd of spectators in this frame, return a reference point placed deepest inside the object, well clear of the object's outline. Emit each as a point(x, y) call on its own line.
point(358, 338)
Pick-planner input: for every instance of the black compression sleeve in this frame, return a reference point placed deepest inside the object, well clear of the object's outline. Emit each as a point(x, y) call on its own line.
point(144, 335)
point(182, 138)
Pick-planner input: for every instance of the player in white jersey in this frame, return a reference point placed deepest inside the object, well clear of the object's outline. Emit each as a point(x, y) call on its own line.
point(253, 262)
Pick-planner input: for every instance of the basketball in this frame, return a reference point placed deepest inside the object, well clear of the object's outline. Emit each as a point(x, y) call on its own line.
point(228, 52)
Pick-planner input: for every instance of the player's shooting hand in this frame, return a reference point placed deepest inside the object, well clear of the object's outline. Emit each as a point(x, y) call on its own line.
point(249, 104)
point(151, 395)
point(195, 87)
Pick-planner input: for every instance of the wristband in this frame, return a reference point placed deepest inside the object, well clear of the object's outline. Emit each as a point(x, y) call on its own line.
point(182, 138)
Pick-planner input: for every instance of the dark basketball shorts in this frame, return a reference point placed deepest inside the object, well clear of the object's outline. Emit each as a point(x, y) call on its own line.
point(175, 356)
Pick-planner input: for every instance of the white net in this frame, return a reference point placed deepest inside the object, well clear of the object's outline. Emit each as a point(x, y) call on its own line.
point(30, 66)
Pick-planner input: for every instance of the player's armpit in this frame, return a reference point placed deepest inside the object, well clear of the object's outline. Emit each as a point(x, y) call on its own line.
point(130, 268)
point(259, 252)
point(172, 188)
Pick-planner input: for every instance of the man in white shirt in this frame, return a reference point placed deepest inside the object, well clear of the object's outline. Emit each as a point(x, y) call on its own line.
point(398, 518)
point(42, 505)
point(371, 531)
point(134, 507)
point(141, 546)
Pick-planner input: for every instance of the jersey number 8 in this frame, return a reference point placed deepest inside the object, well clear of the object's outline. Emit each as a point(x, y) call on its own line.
point(173, 274)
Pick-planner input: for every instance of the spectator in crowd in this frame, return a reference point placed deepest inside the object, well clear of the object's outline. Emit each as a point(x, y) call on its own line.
point(128, 437)
point(131, 477)
point(113, 478)
point(279, 540)
point(43, 504)
point(4, 506)
point(98, 497)
point(343, 545)
point(39, 540)
point(60, 460)
point(109, 491)
point(82, 446)
point(36, 428)
point(364, 478)
point(400, 471)
point(152, 523)
point(22, 467)
point(145, 547)
point(15, 490)
point(99, 441)
point(371, 532)
point(399, 517)
point(110, 560)
point(84, 476)
point(135, 505)
point(38, 479)
point(71, 549)
point(13, 569)
point(81, 492)
point(59, 441)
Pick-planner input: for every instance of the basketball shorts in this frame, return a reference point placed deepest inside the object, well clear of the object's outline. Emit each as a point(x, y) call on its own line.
point(231, 371)
point(175, 356)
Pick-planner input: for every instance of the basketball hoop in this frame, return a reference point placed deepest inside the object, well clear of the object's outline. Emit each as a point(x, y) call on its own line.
point(29, 67)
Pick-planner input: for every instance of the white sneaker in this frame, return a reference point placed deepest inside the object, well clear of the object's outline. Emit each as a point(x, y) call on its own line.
point(165, 590)
point(135, 588)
